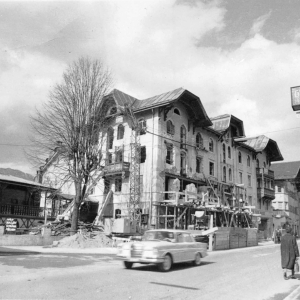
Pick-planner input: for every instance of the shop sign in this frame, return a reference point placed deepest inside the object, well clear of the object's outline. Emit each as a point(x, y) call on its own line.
point(295, 95)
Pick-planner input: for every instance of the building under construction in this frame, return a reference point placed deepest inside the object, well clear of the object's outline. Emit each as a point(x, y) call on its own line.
point(168, 165)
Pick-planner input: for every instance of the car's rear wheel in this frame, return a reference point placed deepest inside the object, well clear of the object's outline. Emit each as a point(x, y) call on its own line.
point(128, 264)
point(197, 260)
point(166, 265)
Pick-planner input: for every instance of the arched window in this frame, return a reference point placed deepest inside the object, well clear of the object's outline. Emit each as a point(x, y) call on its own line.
point(143, 126)
point(240, 157)
point(248, 161)
point(199, 164)
point(118, 213)
point(229, 152)
point(224, 174)
point(176, 111)
point(230, 174)
point(170, 153)
point(211, 145)
point(257, 163)
point(224, 153)
point(170, 127)
point(199, 140)
point(110, 137)
point(182, 137)
point(120, 134)
point(182, 163)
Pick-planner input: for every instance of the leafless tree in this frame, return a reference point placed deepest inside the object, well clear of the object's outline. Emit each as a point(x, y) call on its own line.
point(70, 124)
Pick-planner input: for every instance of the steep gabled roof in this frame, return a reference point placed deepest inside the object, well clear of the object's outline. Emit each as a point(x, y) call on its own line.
point(191, 102)
point(262, 143)
point(223, 122)
point(122, 98)
point(286, 170)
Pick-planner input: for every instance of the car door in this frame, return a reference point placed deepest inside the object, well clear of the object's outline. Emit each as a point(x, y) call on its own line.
point(188, 250)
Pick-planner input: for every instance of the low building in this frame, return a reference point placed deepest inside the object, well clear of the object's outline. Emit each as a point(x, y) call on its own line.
point(286, 202)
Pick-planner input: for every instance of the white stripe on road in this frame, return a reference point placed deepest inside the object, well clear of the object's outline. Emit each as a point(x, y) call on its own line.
point(294, 295)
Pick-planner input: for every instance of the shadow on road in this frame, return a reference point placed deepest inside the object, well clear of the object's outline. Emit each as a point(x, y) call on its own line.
point(175, 285)
point(175, 267)
point(11, 252)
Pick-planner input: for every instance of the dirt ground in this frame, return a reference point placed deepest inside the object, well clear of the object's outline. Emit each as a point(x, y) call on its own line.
point(78, 240)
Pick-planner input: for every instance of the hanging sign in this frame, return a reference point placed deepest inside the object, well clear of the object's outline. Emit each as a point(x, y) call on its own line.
point(295, 95)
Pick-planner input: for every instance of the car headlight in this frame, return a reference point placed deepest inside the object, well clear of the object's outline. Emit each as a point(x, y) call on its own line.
point(150, 253)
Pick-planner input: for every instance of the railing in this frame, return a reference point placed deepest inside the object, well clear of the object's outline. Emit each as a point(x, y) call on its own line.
point(117, 168)
point(23, 210)
point(265, 192)
point(264, 171)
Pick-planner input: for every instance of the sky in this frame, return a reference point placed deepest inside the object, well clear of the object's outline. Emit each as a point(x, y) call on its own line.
point(240, 57)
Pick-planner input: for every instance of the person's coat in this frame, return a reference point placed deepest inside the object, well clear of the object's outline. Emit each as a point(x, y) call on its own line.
point(289, 251)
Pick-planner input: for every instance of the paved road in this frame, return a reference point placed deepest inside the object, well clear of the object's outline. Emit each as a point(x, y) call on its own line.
point(249, 273)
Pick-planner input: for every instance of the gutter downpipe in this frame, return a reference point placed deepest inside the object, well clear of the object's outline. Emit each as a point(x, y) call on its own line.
point(151, 190)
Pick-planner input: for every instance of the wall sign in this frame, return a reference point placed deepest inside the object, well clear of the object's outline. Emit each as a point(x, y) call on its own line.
point(11, 225)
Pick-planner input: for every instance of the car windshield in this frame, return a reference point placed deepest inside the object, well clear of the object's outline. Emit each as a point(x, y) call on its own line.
point(158, 235)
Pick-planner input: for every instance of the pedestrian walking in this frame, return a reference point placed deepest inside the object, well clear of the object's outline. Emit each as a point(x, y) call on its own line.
point(289, 253)
point(278, 235)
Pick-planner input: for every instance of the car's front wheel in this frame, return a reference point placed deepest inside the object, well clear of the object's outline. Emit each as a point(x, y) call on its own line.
point(128, 264)
point(166, 265)
point(197, 260)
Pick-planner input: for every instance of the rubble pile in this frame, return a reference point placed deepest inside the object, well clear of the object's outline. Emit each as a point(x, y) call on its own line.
point(84, 240)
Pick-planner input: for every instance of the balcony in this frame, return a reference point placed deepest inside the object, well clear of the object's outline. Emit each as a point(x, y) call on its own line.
point(266, 193)
point(264, 172)
point(116, 168)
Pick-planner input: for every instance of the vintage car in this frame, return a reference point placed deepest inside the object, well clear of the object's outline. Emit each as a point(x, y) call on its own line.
point(163, 247)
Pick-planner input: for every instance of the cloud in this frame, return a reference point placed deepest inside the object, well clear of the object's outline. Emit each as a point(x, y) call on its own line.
point(259, 23)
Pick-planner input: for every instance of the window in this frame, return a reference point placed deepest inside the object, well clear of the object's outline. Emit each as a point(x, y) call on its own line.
point(120, 134)
point(279, 189)
point(240, 157)
point(229, 152)
point(107, 186)
point(199, 140)
point(110, 137)
point(241, 177)
point(248, 161)
point(264, 164)
point(143, 154)
point(224, 153)
point(182, 137)
point(110, 158)
point(169, 157)
point(118, 184)
point(211, 169)
point(198, 164)
point(118, 214)
point(119, 156)
point(224, 174)
point(176, 111)
point(250, 200)
point(182, 163)
point(249, 180)
point(257, 163)
point(211, 145)
point(170, 127)
point(143, 126)
point(230, 174)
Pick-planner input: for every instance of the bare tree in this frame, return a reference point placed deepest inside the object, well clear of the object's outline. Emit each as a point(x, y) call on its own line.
point(71, 123)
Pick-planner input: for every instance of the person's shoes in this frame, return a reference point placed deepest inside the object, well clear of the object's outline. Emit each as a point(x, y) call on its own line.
point(285, 277)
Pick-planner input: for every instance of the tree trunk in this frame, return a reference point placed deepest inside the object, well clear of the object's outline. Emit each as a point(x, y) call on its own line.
point(75, 214)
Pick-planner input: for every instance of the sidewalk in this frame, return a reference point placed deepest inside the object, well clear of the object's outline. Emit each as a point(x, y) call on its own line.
point(106, 250)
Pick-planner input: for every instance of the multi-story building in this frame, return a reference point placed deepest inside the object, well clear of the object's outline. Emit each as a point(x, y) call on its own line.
point(287, 187)
point(188, 162)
